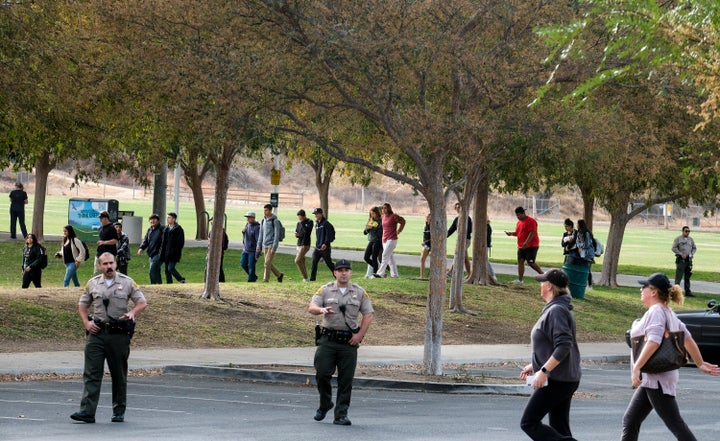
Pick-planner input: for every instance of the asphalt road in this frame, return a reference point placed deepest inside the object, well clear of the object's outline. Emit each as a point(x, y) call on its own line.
point(171, 407)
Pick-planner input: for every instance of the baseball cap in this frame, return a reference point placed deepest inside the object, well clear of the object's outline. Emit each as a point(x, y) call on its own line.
point(342, 263)
point(658, 280)
point(301, 212)
point(250, 214)
point(555, 276)
point(519, 210)
point(104, 214)
point(317, 210)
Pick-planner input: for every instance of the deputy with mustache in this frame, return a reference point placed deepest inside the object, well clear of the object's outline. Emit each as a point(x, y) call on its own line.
point(109, 330)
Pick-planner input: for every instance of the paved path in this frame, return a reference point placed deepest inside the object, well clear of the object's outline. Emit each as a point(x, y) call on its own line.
point(72, 361)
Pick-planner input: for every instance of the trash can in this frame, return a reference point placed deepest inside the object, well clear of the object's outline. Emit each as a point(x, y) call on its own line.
point(578, 274)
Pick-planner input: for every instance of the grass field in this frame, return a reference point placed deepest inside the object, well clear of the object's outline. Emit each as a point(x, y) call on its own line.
point(645, 249)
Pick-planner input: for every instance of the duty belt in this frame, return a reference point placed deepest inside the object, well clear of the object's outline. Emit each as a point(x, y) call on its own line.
point(336, 335)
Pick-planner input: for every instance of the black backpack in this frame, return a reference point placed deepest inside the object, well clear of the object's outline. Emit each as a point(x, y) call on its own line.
point(43, 258)
point(87, 252)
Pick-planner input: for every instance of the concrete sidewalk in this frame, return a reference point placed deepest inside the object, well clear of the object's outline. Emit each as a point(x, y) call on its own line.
point(72, 361)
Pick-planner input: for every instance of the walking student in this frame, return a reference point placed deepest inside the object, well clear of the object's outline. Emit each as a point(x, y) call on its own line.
point(392, 226)
point(373, 231)
point(18, 200)
point(268, 242)
point(528, 242)
point(123, 249)
point(72, 252)
point(340, 303)
point(109, 330)
point(324, 236)
point(107, 238)
point(250, 253)
point(32, 262)
point(303, 232)
point(153, 243)
point(172, 250)
point(684, 248)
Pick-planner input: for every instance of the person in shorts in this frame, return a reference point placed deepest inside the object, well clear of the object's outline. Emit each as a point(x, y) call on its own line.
point(528, 242)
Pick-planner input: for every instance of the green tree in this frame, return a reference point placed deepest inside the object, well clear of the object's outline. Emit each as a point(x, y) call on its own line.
point(423, 73)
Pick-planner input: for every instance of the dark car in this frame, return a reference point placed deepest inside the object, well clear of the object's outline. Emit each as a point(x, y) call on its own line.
point(705, 329)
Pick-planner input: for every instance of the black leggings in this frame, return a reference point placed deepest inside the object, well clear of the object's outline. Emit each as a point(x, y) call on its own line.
point(372, 253)
point(553, 399)
point(34, 276)
point(645, 400)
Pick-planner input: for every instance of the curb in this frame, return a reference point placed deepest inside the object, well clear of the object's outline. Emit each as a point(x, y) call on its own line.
point(268, 376)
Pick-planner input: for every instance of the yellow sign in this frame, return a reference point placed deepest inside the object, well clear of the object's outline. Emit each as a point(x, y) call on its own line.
point(275, 177)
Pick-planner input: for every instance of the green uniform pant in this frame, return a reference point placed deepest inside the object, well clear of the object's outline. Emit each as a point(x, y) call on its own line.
point(115, 348)
point(328, 356)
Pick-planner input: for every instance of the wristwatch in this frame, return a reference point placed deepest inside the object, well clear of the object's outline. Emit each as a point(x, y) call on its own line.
point(544, 370)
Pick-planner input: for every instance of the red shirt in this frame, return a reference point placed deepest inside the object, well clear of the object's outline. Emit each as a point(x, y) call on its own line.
point(389, 227)
point(523, 229)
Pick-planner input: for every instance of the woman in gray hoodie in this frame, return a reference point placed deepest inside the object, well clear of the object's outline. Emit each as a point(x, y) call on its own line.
point(555, 369)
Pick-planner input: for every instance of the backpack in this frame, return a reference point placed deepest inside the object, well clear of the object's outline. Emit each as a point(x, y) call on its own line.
point(87, 251)
point(587, 251)
point(279, 229)
point(43, 258)
point(599, 247)
point(330, 232)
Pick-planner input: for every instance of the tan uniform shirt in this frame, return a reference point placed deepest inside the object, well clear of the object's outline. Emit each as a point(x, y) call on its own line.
point(355, 300)
point(122, 289)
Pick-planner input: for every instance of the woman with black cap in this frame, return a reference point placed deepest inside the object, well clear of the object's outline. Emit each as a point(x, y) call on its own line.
point(657, 391)
point(555, 362)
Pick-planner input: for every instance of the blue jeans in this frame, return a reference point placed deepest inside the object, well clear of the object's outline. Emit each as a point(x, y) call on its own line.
point(155, 265)
point(247, 262)
point(71, 273)
point(170, 271)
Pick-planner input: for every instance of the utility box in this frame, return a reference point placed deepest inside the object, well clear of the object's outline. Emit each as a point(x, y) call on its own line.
point(83, 216)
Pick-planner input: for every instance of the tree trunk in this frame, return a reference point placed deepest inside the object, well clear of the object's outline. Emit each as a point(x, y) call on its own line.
point(456, 286)
point(43, 166)
point(194, 180)
point(618, 221)
point(432, 360)
point(212, 269)
point(588, 206)
point(323, 176)
point(480, 256)
point(160, 192)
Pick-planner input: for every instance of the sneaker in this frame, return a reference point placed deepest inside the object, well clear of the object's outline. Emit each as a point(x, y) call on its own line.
point(517, 282)
point(589, 288)
point(306, 280)
point(280, 277)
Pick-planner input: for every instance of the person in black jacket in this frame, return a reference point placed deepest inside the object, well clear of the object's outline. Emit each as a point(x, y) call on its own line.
point(32, 262)
point(303, 231)
point(18, 200)
point(324, 235)
point(174, 242)
point(153, 243)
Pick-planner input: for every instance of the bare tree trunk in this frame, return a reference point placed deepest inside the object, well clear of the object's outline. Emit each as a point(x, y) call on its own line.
point(212, 271)
point(43, 166)
point(588, 206)
point(618, 221)
point(432, 360)
point(323, 176)
point(480, 275)
point(194, 180)
point(456, 286)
